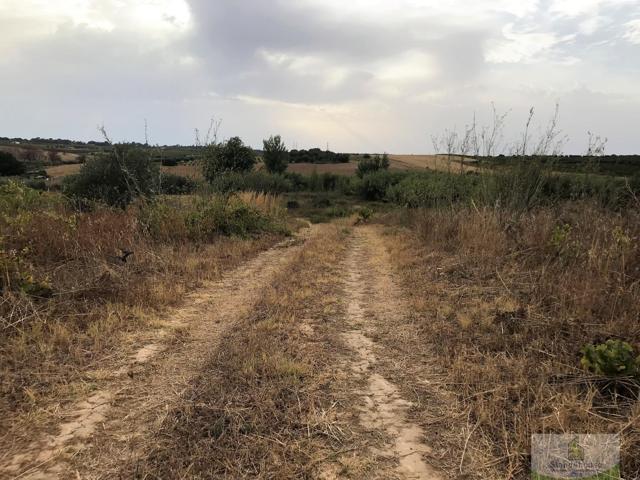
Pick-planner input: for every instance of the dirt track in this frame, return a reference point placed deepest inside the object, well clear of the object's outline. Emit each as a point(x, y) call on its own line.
point(134, 396)
point(373, 297)
point(115, 423)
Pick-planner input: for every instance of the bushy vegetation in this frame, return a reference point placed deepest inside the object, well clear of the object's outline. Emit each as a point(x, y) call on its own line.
point(315, 155)
point(378, 184)
point(372, 164)
point(115, 178)
point(171, 184)
point(618, 165)
point(65, 290)
point(10, 165)
point(275, 155)
point(256, 181)
point(612, 358)
point(232, 156)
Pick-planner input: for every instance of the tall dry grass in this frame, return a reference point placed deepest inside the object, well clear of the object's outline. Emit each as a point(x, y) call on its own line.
point(67, 299)
point(507, 308)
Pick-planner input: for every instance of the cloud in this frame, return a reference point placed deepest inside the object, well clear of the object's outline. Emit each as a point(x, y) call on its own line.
point(363, 74)
point(632, 33)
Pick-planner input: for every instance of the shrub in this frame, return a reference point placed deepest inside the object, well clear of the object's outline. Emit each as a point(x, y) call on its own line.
point(315, 155)
point(53, 157)
point(10, 165)
point(369, 165)
point(169, 162)
point(260, 182)
point(275, 155)
point(364, 214)
point(612, 358)
point(230, 156)
point(171, 184)
point(374, 185)
point(116, 178)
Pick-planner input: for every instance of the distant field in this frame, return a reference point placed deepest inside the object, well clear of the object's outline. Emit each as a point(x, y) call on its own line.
point(398, 163)
point(433, 162)
point(60, 171)
point(191, 171)
point(18, 152)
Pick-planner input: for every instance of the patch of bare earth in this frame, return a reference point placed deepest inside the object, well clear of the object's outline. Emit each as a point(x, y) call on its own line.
point(398, 446)
point(127, 400)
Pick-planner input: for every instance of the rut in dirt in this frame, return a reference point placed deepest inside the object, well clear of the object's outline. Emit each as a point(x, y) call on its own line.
point(109, 426)
point(371, 297)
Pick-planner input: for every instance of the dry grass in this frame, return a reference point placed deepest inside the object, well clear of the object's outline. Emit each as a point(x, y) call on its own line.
point(66, 298)
point(507, 308)
point(261, 408)
point(192, 171)
point(320, 168)
point(61, 171)
point(396, 163)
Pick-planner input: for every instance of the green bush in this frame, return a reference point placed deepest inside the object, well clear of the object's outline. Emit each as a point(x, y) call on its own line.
point(315, 155)
point(364, 214)
point(260, 182)
point(10, 165)
point(203, 218)
point(433, 189)
point(169, 162)
point(375, 185)
point(171, 184)
point(116, 178)
point(230, 156)
point(276, 156)
point(612, 358)
point(370, 165)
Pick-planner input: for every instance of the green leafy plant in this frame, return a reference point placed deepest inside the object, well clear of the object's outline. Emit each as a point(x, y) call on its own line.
point(612, 358)
point(364, 214)
point(560, 237)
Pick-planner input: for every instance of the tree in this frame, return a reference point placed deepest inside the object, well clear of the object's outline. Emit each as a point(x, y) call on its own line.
point(276, 156)
point(32, 155)
point(369, 165)
point(230, 156)
point(10, 165)
point(116, 178)
point(54, 157)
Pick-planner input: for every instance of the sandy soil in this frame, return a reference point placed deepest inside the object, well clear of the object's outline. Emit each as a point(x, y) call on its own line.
point(371, 296)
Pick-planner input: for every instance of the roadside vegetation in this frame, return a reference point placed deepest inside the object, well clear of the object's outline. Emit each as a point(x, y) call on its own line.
point(103, 258)
point(526, 288)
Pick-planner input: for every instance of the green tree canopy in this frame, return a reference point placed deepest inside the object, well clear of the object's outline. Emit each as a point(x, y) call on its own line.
point(116, 178)
point(10, 165)
point(276, 156)
point(230, 156)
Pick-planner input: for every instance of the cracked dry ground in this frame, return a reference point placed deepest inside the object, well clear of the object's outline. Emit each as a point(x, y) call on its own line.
point(331, 323)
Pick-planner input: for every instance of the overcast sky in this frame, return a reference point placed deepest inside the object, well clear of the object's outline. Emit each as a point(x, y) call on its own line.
point(361, 75)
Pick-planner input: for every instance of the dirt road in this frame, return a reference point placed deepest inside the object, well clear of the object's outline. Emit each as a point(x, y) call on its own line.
point(348, 328)
point(372, 299)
